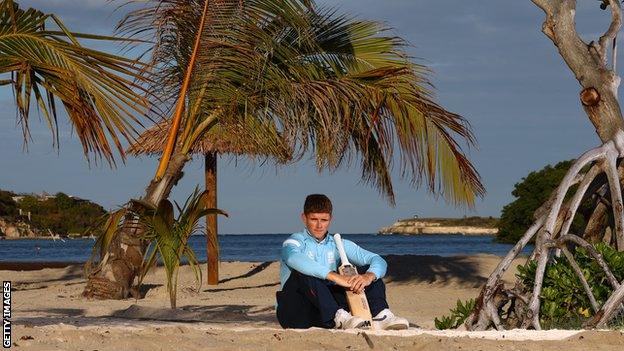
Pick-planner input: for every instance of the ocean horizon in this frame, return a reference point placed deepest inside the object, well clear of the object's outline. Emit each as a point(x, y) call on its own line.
point(263, 247)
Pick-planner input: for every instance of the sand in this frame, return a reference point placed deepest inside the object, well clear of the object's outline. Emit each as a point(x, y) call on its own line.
point(48, 313)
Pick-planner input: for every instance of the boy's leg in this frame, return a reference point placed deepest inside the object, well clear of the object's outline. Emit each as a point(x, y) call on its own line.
point(306, 301)
point(375, 294)
point(293, 309)
point(318, 292)
point(338, 292)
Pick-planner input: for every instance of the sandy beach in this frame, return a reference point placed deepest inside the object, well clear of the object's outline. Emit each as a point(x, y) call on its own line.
point(48, 313)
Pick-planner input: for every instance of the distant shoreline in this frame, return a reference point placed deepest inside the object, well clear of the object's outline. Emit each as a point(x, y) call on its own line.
point(46, 238)
point(473, 231)
point(453, 230)
point(35, 265)
point(443, 226)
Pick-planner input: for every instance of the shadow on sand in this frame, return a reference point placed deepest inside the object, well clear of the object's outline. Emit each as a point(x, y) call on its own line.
point(197, 313)
point(259, 268)
point(241, 314)
point(67, 277)
point(433, 269)
point(243, 287)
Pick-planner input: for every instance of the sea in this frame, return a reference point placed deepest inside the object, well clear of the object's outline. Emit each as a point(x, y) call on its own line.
point(263, 247)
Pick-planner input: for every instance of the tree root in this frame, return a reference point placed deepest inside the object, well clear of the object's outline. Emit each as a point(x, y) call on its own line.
point(552, 226)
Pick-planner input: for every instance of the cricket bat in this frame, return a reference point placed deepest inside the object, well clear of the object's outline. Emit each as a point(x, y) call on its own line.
point(358, 304)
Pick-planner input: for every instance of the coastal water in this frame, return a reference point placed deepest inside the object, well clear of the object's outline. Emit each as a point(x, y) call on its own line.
point(263, 247)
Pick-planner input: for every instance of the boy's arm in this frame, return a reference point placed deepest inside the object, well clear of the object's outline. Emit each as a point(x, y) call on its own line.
point(340, 279)
point(361, 257)
point(294, 256)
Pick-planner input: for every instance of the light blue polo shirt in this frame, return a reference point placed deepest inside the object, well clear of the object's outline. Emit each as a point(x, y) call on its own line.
point(303, 253)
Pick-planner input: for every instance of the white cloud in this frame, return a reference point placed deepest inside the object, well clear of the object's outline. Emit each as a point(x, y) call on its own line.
point(475, 21)
point(76, 4)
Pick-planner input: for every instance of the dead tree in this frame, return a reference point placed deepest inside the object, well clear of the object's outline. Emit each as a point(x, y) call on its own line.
point(595, 174)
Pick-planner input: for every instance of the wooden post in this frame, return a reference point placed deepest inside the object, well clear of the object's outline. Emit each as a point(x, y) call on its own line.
point(212, 243)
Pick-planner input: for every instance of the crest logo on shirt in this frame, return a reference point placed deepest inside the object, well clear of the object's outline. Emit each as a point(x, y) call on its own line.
point(311, 254)
point(330, 257)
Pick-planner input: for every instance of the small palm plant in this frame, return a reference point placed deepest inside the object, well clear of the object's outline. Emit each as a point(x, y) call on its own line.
point(167, 237)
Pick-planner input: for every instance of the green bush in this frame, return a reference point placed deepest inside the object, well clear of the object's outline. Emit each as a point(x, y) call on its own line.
point(564, 303)
point(457, 317)
point(530, 193)
point(8, 207)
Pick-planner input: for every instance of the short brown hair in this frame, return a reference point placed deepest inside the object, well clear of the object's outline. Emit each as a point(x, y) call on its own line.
point(317, 203)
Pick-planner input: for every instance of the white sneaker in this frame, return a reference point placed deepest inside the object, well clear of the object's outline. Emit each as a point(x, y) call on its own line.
point(344, 320)
point(386, 320)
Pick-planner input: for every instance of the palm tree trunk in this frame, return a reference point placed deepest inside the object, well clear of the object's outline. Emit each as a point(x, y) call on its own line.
point(212, 243)
point(114, 276)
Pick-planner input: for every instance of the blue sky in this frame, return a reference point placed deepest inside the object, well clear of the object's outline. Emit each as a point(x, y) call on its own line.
point(491, 64)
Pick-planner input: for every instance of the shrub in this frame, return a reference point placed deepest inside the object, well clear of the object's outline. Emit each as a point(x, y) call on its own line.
point(564, 303)
point(457, 317)
point(8, 207)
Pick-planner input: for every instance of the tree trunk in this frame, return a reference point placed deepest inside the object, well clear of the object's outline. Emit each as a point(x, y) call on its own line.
point(599, 88)
point(114, 276)
point(212, 239)
point(596, 224)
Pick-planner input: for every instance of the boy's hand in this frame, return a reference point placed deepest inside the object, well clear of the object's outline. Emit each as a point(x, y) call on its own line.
point(359, 282)
point(339, 279)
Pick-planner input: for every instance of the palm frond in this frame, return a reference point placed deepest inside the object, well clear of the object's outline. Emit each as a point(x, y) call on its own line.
point(340, 88)
point(97, 89)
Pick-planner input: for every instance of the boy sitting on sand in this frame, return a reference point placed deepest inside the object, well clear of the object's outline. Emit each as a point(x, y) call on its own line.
point(313, 294)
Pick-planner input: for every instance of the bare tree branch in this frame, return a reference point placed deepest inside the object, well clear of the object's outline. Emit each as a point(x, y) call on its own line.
point(481, 313)
point(587, 62)
point(579, 273)
point(614, 28)
point(599, 98)
point(547, 5)
point(597, 256)
point(549, 226)
point(616, 198)
point(613, 303)
point(567, 182)
point(588, 178)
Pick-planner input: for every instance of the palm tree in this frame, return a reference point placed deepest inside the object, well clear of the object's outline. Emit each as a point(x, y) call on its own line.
point(96, 89)
point(336, 88)
point(220, 140)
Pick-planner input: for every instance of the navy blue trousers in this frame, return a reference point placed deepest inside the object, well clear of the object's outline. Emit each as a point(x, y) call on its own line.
point(307, 301)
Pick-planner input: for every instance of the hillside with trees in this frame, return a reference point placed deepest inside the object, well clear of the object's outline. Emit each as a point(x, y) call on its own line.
point(60, 214)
